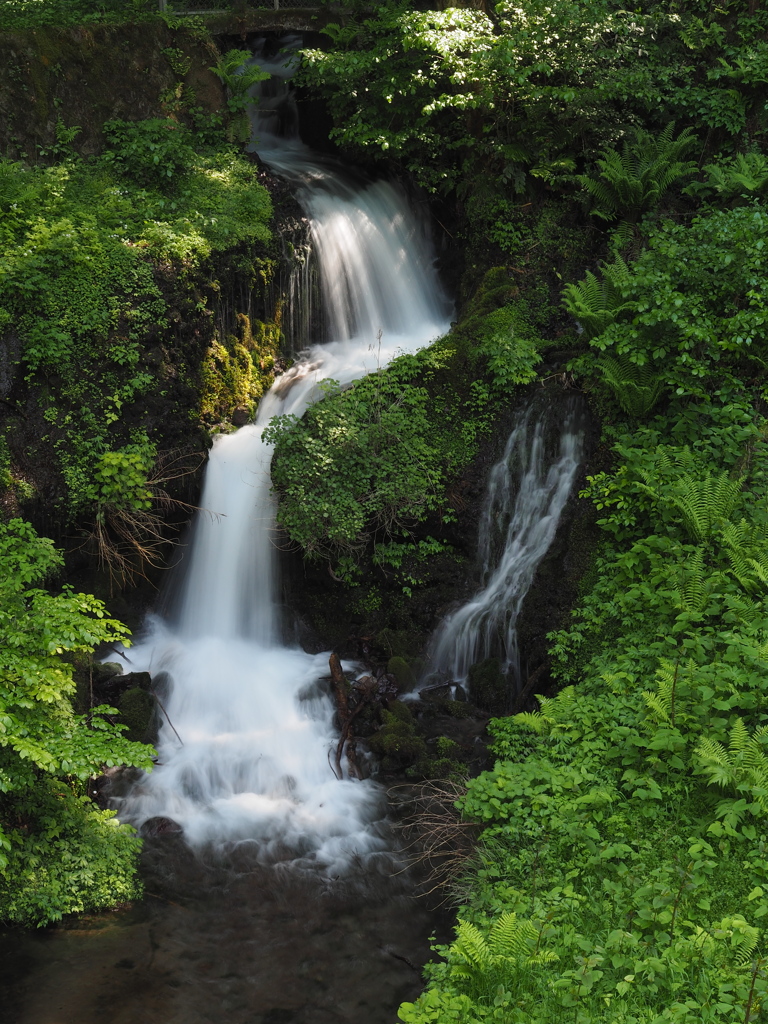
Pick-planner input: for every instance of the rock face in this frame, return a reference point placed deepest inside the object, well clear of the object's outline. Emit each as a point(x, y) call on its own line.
point(89, 74)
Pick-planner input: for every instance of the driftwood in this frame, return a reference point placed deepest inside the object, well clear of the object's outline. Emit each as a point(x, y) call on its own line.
point(341, 694)
point(366, 691)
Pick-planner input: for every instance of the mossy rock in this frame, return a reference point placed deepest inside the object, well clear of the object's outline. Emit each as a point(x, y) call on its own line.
point(136, 710)
point(403, 673)
point(397, 743)
point(103, 671)
point(438, 768)
point(446, 762)
point(458, 709)
point(402, 712)
point(488, 686)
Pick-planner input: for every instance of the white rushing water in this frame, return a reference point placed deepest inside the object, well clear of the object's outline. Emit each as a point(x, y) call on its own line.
point(527, 491)
point(247, 757)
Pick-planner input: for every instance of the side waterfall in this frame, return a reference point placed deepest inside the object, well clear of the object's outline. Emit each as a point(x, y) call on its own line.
point(247, 758)
point(527, 491)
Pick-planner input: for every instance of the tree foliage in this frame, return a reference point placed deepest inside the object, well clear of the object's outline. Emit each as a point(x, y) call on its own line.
point(58, 852)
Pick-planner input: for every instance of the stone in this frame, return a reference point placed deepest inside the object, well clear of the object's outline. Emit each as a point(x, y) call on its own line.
point(160, 826)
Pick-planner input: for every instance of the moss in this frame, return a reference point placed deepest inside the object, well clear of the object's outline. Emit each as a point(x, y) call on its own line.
point(239, 372)
point(397, 743)
point(458, 709)
point(399, 643)
point(401, 711)
point(447, 762)
point(136, 710)
point(403, 673)
point(488, 688)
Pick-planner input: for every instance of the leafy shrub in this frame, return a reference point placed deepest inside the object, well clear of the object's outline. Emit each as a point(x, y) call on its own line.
point(372, 460)
point(83, 247)
point(689, 306)
point(58, 853)
point(32, 13)
point(149, 151)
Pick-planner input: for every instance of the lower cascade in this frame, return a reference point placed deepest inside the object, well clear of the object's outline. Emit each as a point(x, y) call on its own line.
point(527, 492)
point(246, 735)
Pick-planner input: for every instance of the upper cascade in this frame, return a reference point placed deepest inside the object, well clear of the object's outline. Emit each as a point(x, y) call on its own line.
point(247, 756)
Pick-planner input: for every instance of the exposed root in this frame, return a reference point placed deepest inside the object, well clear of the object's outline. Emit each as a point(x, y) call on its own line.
point(436, 838)
point(129, 541)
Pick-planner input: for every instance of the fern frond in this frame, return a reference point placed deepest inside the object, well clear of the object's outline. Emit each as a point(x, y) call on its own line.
point(657, 706)
point(743, 766)
point(512, 939)
point(739, 738)
point(694, 586)
point(472, 946)
point(706, 502)
point(553, 711)
point(637, 388)
point(560, 707)
point(534, 721)
point(742, 939)
point(636, 179)
point(597, 301)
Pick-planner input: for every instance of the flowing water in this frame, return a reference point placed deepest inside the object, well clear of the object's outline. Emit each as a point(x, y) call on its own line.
point(527, 491)
point(232, 930)
point(247, 757)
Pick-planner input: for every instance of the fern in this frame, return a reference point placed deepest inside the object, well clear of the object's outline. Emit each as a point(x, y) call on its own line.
point(742, 767)
point(635, 180)
point(694, 585)
point(511, 944)
point(471, 946)
point(705, 503)
point(745, 176)
point(512, 939)
point(637, 388)
point(597, 301)
point(747, 552)
point(667, 705)
point(554, 711)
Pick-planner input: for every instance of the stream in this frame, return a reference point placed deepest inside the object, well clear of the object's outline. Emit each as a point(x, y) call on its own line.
point(275, 892)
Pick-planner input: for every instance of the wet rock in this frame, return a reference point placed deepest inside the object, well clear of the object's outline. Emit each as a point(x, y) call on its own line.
point(115, 685)
point(160, 826)
point(436, 694)
point(106, 670)
point(114, 783)
point(136, 710)
point(403, 673)
point(240, 416)
point(139, 680)
point(489, 687)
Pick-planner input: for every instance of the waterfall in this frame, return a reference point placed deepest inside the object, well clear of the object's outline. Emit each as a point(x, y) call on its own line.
point(527, 491)
point(247, 756)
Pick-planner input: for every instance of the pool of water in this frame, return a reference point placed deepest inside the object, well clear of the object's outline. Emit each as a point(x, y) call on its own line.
point(229, 942)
